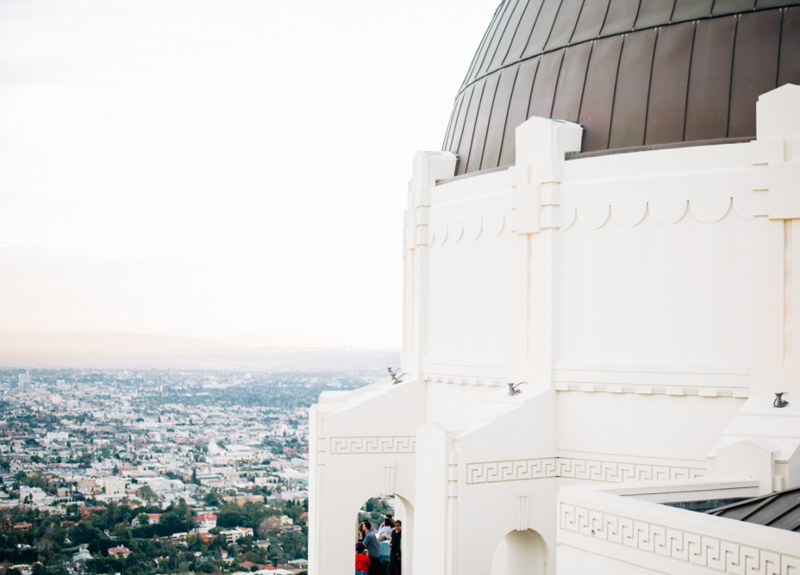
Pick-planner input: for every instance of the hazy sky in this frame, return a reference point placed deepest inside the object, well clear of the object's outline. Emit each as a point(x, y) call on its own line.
point(229, 170)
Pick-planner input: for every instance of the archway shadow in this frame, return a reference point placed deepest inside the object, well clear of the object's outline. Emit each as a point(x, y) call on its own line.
point(374, 510)
point(520, 553)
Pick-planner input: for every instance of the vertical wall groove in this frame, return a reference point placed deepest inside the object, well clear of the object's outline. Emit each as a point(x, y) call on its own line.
point(787, 293)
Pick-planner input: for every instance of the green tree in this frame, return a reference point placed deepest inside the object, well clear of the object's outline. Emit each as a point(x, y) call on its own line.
point(211, 498)
point(229, 519)
point(146, 492)
point(171, 523)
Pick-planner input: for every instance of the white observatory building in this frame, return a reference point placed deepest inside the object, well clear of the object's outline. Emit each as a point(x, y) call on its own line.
point(598, 310)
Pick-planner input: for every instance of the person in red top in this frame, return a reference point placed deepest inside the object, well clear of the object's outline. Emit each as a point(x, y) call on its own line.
point(362, 559)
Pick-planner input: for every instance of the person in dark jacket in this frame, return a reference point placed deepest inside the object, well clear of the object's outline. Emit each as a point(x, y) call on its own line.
point(396, 543)
point(374, 550)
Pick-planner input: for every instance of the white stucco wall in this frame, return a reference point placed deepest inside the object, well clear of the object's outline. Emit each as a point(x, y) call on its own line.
point(608, 531)
point(645, 299)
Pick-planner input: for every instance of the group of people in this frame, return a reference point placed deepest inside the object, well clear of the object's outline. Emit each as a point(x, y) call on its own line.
point(368, 548)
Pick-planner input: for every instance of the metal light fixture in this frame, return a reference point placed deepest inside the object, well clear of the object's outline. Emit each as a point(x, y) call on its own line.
point(779, 401)
point(513, 388)
point(396, 378)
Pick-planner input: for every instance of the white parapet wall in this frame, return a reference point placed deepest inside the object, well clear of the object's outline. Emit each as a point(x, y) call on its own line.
point(617, 531)
point(363, 444)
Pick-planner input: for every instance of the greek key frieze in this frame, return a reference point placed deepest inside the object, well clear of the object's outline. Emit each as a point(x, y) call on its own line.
point(372, 445)
point(701, 550)
point(590, 470)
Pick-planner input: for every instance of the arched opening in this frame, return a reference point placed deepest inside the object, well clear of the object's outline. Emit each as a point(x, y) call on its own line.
point(375, 510)
point(520, 553)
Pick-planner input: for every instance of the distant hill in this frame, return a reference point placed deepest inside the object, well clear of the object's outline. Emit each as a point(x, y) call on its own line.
point(120, 343)
point(110, 350)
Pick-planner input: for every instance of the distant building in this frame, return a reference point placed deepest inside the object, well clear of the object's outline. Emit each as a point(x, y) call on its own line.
point(24, 382)
point(206, 521)
point(233, 535)
point(113, 485)
point(82, 555)
point(152, 518)
point(206, 537)
point(56, 436)
point(117, 551)
point(87, 486)
point(210, 480)
point(86, 511)
point(242, 499)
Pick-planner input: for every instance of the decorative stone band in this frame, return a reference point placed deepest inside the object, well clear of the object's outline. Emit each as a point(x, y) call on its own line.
point(460, 380)
point(653, 380)
point(590, 470)
point(711, 381)
point(464, 371)
point(715, 553)
point(372, 445)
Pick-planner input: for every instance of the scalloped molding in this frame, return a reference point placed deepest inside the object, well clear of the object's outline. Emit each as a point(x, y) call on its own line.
point(627, 214)
point(709, 184)
point(453, 232)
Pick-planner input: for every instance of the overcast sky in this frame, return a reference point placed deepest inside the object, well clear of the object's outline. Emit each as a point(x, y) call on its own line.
point(230, 170)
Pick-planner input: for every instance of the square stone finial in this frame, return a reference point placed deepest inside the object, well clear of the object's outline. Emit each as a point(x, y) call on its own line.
point(778, 114)
point(748, 459)
point(431, 166)
point(545, 140)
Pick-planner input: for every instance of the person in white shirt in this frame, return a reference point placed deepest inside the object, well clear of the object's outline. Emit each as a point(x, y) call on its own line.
point(385, 532)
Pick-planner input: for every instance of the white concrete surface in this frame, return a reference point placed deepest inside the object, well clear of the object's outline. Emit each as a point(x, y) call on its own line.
point(645, 299)
point(605, 531)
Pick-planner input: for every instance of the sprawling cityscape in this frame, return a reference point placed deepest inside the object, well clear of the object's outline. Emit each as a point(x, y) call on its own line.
point(158, 470)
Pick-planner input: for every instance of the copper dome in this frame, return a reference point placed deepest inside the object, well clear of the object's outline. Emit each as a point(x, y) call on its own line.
point(633, 72)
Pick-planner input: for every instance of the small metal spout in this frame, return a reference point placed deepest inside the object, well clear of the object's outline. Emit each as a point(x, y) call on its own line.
point(779, 401)
point(513, 388)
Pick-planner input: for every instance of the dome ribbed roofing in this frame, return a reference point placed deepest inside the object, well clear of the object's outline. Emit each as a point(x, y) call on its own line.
point(632, 72)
